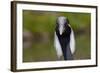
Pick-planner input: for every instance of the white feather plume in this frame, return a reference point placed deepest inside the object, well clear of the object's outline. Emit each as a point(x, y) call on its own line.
point(72, 42)
point(57, 46)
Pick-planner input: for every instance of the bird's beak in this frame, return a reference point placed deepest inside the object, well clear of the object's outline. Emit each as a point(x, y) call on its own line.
point(61, 29)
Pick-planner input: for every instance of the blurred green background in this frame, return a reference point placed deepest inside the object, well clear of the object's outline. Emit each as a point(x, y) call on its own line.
point(38, 35)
